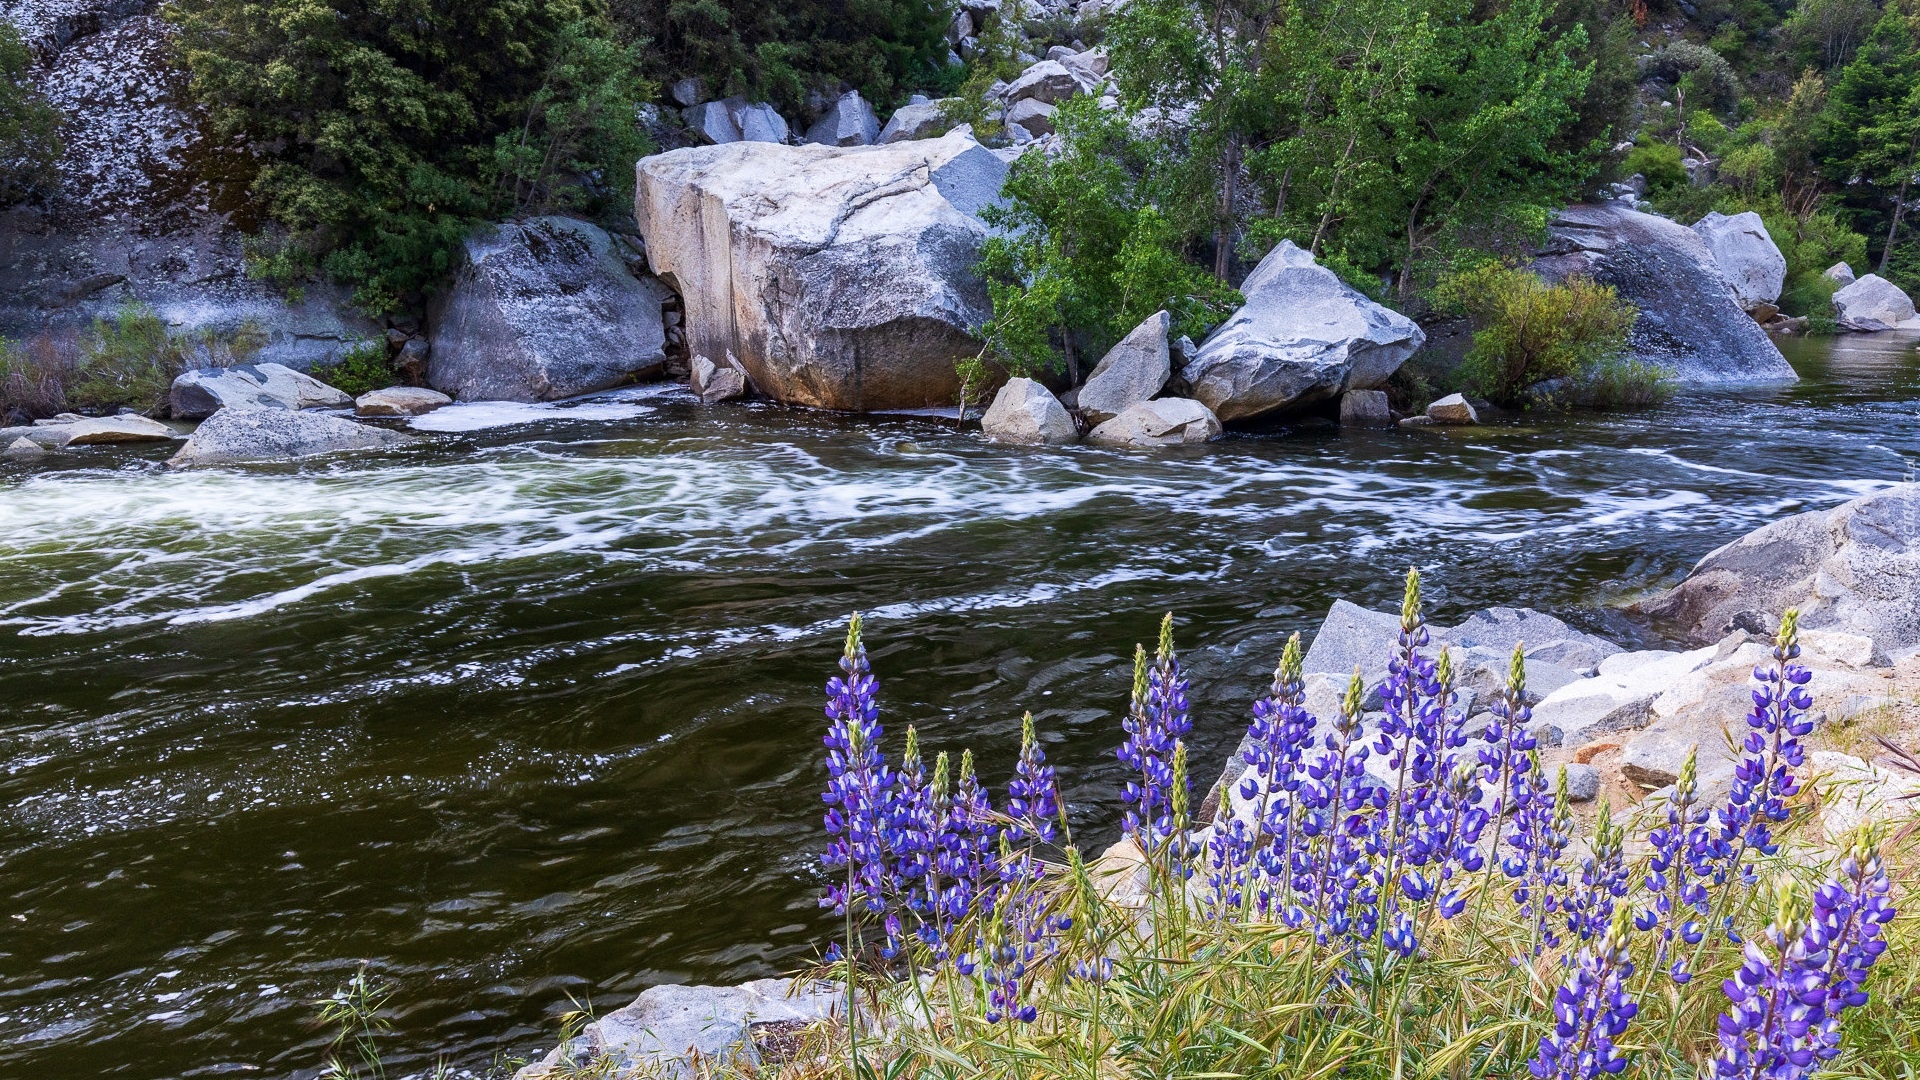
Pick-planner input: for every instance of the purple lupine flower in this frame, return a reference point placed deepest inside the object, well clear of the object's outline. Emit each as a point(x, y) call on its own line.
point(1777, 1001)
point(1020, 933)
point(1229, 855)
point(1506, 757)
point(1415, 722)
point(916, 833)
point(1537, 839)
point(968, 860)
point(1278, 740)
point(1446, 844)
point(1333, 886)
point(860, 819)
point(1682, 857)
point(1033, 798)
point(1849, 914)
point(1590, 1011)
point(1763, 781)
point(1156, 721)
point(1603, 879)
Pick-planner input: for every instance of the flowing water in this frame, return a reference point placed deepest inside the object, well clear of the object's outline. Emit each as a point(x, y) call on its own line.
point(534, 713)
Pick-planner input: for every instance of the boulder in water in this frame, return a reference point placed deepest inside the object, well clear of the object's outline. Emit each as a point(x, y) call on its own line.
point(1131, 372)
point(714, 383)
point(108, 430)
point(1854, 568)
point(1365, 408)
point(201, 392)
point(1747, 256)
point(1157, 423)
point(1873, 303)
point(1026, 413)
point(234, 435)
point(842, 277)
point(542, 310)
point(1453, 409)
point(682, 1032)
point(1303, 337)
point(400, 401)
point(1689, 320)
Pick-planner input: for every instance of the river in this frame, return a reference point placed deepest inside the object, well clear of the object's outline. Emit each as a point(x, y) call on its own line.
point(534, 713)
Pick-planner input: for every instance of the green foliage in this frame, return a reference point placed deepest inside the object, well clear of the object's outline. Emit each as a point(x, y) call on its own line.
point(1623, 382)
point(32, 377)
point(29, 127)
point(1824, 33)
point(354, 1012)
point(1527, 331)
point(386, 131)
point(1088, 251)
point(1870, 140)
point(360, 369)
point(994, 60)
point(1659, 162)
point(1709, 80)
point(781, 52)
point(129, 360)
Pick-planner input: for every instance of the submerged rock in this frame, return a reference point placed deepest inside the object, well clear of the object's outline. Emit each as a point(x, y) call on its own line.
point(714, 383)
point(1689, 320)
point(108, 430)
point(1747, 256)
point(842, 277)
point(400, 401)
point(1872, 303)
point(1026, 413)
point(1160, 422)
point(1130, 373)
point(1854, 568)
point(542, 310)
point(233, 435)
point(201, 392)
point(1304, 336)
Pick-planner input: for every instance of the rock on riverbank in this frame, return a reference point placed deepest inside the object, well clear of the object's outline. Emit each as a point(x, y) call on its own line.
point(842, 277)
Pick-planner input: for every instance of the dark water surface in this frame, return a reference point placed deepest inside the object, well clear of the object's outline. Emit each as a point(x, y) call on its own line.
point(535, 713)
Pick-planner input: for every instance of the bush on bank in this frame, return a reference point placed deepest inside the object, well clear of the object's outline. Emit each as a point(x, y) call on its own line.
point(1324, 924)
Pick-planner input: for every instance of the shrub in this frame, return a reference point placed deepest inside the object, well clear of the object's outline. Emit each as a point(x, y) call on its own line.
point(125, 360)
point(32, 377)
point(1713, 77)
point(1527, 331)
point(29, 127)
point(1310, 921)
point(1623, 382)
point(1660, 163)
point(363, 368)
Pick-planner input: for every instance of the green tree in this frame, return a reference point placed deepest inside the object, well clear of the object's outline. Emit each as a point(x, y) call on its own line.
point(1086, 250)
point(1527, 331)
point(1871, 131)
point(781, 51)
point(29, 127)
point(388, 128)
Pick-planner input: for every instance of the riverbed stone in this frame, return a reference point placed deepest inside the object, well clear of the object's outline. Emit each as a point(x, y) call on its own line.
point(1160, 422)
point(1620, 698)
point(1747, 256)
point(1872, 303)
point(234, 435)
point(842, 277)
point(1854, 568)
point(23, 447)
point(1130, 373)
point(200, 392)
point(849, 121)
point(714, 382)
point(684, 1032)
point(542, 310)
point(1583, 782)
point(1453, 409)
point(108, 430)
point(1689, 321)
point(1026, 413)
point(1303, 336)
point(399, 401)
point(1365, 408)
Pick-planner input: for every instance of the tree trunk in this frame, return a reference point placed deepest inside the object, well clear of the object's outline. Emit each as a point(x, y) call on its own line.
point(1900, 202)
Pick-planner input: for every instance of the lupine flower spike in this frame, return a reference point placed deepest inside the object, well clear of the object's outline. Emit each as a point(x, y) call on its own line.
point(1033, 799)
point(1682, 858)
point(1763, 781)
point(1603, 879)
point(860, 819)
point(1591, 1010)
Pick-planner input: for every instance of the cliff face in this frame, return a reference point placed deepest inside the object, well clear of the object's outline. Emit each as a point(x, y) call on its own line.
point(135, 218)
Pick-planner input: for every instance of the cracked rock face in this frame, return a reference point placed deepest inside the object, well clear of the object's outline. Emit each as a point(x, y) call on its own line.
point(841, 277)
point(1691, 320)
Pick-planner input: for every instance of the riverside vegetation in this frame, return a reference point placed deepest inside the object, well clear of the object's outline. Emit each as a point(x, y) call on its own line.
point(1324, 923)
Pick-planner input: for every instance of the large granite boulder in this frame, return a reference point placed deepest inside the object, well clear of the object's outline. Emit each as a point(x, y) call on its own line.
point(849, 121)
point(542, 310)
point(1871, 303)
point(842, 277)
point(1303, 337)
point(1746, 255)
point(234, 435)
point(1689, 321)
point(1854, 568)
point(916, 120)
point(1026, 413)
point(1131, 372)
point(737, 120)
point(201, 392)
